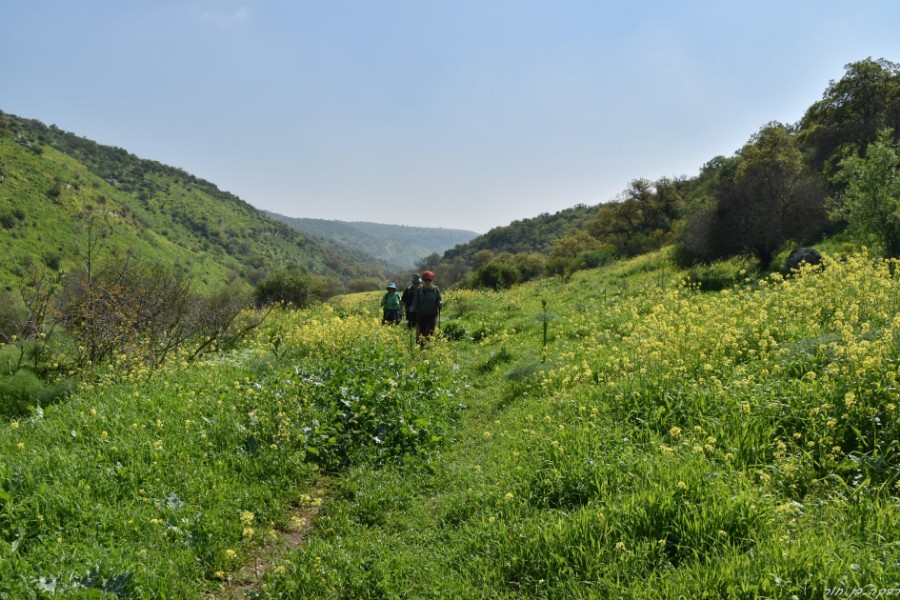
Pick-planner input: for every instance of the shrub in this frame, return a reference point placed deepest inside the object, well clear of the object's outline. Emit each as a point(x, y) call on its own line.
point(596, 258)
point(497, 275)
point(719, 275)
point(870, 201)
point(23, 390)
point(292, 286)
point(52, 260)
point(146, 311)
point(563, 266)
point(13, 316)
point(453, 331)
point(7, 220)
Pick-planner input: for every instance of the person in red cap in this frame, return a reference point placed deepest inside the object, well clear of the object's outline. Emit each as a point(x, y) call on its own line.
point(426, 305)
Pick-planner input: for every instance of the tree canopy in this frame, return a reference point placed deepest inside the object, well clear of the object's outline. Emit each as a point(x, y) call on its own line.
point(852, 111)
point(870, 201)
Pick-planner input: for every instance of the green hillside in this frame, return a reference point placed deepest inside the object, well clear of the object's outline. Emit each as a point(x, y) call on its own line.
point(790, 184)
point(401, 246)
point(621, 434)
point(53, 183)
point(536, 234)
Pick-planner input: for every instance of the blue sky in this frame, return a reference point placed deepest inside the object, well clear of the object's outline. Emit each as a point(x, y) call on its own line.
point(467, 114)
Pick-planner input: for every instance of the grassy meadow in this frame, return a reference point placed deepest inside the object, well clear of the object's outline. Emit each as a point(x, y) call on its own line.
point(623, 434)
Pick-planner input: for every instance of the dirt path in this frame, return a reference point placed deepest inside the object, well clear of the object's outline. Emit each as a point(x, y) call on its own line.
point(247, 579)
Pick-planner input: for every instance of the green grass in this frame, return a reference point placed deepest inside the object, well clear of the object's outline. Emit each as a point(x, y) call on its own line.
point(142, 487)
point(666, 442)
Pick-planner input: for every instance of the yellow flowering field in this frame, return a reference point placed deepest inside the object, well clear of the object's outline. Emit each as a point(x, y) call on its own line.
point(639, 437)
point(623, 433)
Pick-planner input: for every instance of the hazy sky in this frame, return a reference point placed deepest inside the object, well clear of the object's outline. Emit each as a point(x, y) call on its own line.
point(467, 114)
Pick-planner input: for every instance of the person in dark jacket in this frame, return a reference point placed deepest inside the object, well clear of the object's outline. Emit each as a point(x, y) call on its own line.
point(426, 306)
point(407, 298)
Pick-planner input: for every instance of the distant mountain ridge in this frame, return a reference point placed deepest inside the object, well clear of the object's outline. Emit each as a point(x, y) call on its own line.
point(401, 246)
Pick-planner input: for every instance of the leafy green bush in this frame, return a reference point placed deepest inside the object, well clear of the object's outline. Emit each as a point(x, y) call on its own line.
point(52, 260)
point(24, 390)
point(453, 330)
point(13, 316)
point(7, 220)
point(596, 258)
point(365, 404)
point(720, 275)
point(292, 286)
point(497, 275)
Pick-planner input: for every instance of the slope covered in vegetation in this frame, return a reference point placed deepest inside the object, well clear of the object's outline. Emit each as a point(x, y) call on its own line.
point(622, 433)
point(790, 184)
point(53, 182)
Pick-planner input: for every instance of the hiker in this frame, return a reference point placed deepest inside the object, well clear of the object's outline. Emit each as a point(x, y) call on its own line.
point(390, 302)
point(426, 305)
point(407, 298)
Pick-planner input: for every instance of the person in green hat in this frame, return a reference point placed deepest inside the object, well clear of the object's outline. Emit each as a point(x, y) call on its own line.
point(390, 304)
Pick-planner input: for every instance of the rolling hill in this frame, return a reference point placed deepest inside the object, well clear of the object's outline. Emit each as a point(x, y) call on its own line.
point(401, 246)
point(53, 184)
